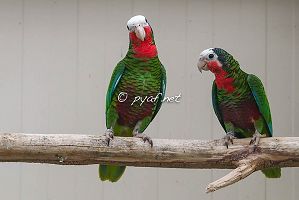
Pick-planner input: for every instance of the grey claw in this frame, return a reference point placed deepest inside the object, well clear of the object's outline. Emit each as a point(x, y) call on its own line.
point(109, 136)
point(228, 139)
point(144, 137)
point(255, 140)
point(149, 140)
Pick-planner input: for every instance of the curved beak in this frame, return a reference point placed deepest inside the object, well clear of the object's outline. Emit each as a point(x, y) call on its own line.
point(140, 32)
point(202, 65)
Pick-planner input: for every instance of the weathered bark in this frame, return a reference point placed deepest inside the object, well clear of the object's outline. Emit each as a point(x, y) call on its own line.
point(72, 149)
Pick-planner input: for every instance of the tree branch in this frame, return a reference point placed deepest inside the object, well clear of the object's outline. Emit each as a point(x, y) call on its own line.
point(244, 169)
point(72, 149)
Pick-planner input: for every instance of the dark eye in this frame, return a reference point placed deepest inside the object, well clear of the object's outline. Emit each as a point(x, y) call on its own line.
point(128, 27)
point(146, 20)
point(211, 56)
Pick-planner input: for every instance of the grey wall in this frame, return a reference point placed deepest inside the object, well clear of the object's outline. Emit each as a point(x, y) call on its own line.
point(56, 58)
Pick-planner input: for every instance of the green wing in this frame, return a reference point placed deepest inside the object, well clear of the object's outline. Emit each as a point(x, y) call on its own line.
point(162, 91)
point(115, 78)
point(258, 92)
point(216, 106)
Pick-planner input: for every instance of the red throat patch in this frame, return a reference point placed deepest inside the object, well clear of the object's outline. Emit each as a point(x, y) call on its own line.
point(221, 79)
point(146, 48)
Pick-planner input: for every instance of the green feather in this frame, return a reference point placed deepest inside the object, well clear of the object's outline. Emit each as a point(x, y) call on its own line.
point(216, 106)
point(111, 173)
point(115, 78)
point(258, 92)
point(272, 172)
point(162, 91)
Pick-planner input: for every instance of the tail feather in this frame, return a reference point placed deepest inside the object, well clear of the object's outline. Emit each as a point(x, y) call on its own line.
point(111, 173)
point(272, 172)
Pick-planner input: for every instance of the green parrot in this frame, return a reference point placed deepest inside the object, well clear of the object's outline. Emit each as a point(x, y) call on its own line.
point(136, 90)
point(239, 100)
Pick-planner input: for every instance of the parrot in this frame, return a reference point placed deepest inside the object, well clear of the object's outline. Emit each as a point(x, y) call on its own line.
point(139, 75)
point(239, 100)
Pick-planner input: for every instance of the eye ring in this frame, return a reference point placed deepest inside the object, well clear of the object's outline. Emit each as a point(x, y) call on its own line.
point(211, 56)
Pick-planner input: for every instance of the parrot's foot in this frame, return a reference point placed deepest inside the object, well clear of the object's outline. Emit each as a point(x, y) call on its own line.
point(109, 136)
point(143, 137)
point(255, 140)
point(228, 138)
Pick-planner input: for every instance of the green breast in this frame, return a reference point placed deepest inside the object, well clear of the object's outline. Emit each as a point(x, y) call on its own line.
point(140, 81)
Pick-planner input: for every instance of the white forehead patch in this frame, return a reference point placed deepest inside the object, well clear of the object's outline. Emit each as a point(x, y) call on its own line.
point(138, 19)
point(205, 54)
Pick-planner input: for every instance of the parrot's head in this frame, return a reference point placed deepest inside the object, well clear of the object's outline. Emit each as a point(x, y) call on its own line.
point(139, 28)
point(217, 61)
point(142, 43)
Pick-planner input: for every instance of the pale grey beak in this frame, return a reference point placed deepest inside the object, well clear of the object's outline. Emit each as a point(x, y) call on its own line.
point(140, 32)
point(202, 65)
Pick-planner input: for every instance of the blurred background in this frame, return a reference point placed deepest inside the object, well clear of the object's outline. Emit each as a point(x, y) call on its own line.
point(56, 59)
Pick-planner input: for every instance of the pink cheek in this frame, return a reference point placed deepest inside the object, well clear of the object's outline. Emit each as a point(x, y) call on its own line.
point(148, 33)
point(213, 66)
point(133, 36)
point(147, 29)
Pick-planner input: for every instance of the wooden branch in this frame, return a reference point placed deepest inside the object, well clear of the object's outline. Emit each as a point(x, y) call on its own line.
point(245, 168)
point(72, 149)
